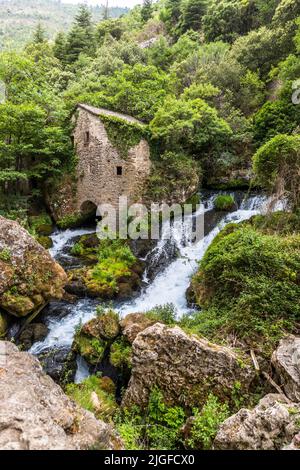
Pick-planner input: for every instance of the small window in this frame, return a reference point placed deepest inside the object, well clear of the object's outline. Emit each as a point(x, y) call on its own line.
point(87, 138)
point(119, 171)
point(72, 140)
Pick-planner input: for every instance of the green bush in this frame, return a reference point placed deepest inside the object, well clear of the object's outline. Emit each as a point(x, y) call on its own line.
point(82, 394)
point(121, 354)
point(156, 427)
point(224, 202)
point(163, 313)
point(248, 284)
point(207, 422)
point(277, 167)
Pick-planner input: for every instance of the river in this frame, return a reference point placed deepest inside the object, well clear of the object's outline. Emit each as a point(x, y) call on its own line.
point(168, 287)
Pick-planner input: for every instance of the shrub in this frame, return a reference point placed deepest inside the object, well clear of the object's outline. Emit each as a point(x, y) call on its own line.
point(104, 408)
point(248, 284)
point(224, 202)
point(163, 313)
point(207, 421)
point(277, 167)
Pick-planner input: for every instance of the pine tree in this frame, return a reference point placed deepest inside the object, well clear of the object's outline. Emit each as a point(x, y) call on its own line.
point(146, 12)
point(81, 38)
point(192, 14)
point(59, 48)
point(39, 36)
point(172, 15)
point(83, 17)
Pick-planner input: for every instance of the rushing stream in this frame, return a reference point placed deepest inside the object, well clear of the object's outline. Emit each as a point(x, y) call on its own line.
point(168, 287)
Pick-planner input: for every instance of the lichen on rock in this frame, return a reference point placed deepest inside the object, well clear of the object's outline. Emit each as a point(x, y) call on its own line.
point(29, 277)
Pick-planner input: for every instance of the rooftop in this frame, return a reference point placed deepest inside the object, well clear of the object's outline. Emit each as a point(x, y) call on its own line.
point(106, 112)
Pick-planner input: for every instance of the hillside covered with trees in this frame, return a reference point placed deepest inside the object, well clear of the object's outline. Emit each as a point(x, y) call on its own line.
point(18, 18)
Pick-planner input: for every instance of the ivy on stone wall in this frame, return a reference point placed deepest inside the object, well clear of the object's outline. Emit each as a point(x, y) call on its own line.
point(123, 135)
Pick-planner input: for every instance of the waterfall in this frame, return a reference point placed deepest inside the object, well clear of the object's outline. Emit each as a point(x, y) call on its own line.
point(169, 286)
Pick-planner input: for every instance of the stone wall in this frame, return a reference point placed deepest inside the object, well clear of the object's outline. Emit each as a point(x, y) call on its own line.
point(100, 164)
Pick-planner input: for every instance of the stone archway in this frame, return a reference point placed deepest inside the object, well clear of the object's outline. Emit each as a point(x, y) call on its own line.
point(88, 210)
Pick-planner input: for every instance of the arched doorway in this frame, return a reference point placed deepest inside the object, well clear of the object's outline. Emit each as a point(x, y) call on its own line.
point(88, 210)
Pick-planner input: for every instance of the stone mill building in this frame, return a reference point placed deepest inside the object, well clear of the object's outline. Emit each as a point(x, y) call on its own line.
point(113, 158)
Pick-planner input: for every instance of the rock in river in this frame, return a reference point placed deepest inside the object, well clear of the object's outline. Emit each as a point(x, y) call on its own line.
point(29, 277)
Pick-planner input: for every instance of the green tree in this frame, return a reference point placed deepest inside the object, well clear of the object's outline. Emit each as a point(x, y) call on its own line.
point(81, 37)
point(256, 50)
point(30, 148)
point(146, 11)
point(171, 15)
point(39, 36)
point(191, 125)
point(277, 167)
point(275, 117)
point(287, 10)
point(193, 12)
point(60, 47)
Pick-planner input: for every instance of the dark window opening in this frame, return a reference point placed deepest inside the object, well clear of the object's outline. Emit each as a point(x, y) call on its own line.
point(119, 171)
point(87, 138)
point(72, 140)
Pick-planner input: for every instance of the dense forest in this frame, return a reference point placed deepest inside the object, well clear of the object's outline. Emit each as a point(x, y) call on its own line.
point(216, 85)
point(212, 91)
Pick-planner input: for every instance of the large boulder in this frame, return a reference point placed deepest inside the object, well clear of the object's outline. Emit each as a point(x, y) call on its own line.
point(29, 277)
point(184, 367)
point(271, 425)
point(35, 414)
point(286, 361)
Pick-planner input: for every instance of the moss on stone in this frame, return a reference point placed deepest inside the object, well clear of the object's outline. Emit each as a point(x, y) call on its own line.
point(91, 349)
point(224, 202)
point(18, 305)
point(123, 134)
point(71, 221)
point(3, 324)
point(121, 354)
point(92, 396)
point(41, 224)
point(45, 241)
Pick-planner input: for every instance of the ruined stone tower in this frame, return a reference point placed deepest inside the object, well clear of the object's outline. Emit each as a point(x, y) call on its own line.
point(113, 157)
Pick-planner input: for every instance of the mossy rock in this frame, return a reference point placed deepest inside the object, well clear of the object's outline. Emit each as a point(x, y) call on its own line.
point(41, 224)
point(45, 241)
point(92, 396)
point(3, 324)
point(224, 202)
point(90, 348)
point(121, 354)
point(87, 247)
point(72, 220)
point(105, 326)
point(17, 305)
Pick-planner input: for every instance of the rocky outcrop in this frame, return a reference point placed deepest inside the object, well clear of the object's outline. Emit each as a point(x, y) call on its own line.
point(135, 323)
point(271, 425)
point(29, 277)
point(184, 367)
point(35, 414)
point(286, 361)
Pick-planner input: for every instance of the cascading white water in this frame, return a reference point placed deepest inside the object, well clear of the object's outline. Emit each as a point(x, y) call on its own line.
point(61, 238)
point(169, 287)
